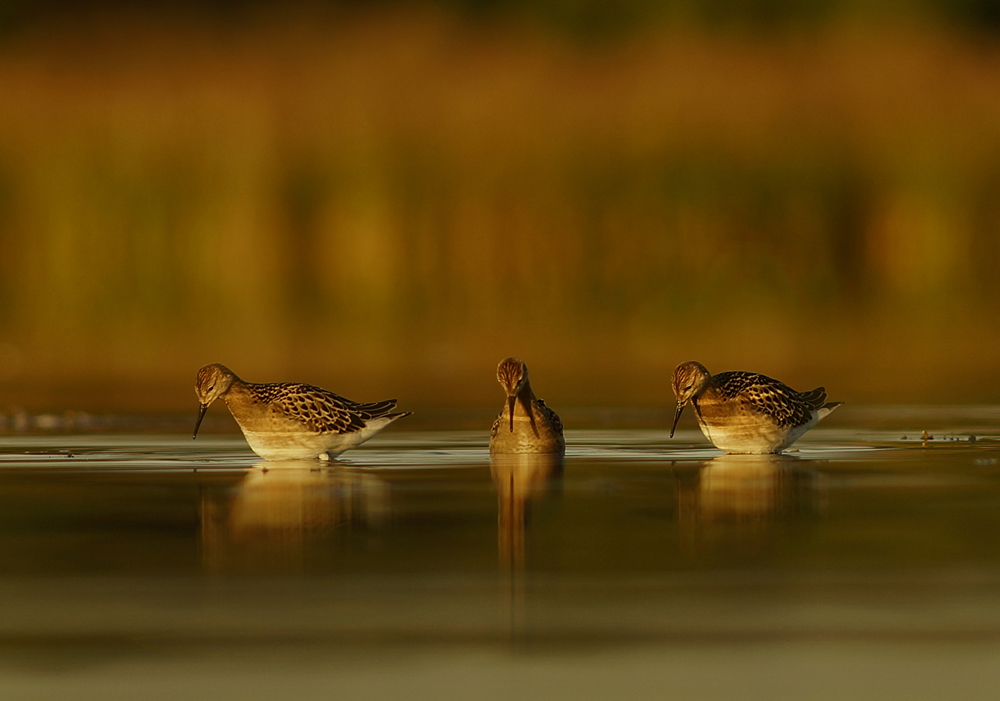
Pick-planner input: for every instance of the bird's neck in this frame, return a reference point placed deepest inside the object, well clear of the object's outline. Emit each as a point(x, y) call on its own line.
point(237, 390)
point(526, 395)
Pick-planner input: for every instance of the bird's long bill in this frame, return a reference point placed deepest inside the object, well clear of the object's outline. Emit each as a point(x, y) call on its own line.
point(526, 403)
point(201, 415)
point(510, 406)
point(677, 417)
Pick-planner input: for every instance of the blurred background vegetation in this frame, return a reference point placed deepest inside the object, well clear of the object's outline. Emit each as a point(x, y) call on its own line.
point(387, 198)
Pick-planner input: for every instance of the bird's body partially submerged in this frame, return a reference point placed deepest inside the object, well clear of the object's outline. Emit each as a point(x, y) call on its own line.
point(292, 421)
point(525, 424)
point(745, 412)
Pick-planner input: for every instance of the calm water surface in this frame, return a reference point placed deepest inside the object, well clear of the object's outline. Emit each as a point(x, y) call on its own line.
point(865, 564)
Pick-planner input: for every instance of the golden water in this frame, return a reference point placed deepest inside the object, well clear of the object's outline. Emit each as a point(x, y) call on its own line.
point(864, 564)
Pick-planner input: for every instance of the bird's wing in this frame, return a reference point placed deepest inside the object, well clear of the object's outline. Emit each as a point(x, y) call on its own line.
point(815, 398)
point(552, 417)
point(319, 409)
point(768, 396)
point(373, 409)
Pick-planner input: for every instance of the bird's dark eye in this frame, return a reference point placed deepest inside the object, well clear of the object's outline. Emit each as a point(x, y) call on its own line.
point(688, 387)
point(211, 388)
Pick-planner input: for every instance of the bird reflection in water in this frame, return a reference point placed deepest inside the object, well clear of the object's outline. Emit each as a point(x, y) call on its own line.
point(279, 510)
point(739, 500)
point(520, 479)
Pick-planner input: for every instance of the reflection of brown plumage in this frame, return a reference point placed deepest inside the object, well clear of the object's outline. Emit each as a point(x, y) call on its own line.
point(534, 428)
point(519, 479)
point(750, 487)
point(281, 506)
point(735, 498)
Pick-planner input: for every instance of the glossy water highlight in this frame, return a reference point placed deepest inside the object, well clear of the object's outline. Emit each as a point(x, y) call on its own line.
point(156, 566)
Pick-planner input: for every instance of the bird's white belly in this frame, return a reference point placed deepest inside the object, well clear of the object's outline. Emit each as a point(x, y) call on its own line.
point(273, 445)
point(749, 434)
point(302, 445)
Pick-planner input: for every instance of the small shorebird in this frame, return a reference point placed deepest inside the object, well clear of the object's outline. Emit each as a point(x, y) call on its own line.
point(535, 429)
point(292, 421)
point(744, 412)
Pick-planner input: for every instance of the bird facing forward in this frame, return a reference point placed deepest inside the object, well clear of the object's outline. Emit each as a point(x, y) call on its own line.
point(525, 424)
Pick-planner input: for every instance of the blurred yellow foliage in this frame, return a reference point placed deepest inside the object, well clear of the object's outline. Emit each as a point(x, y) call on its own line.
point(388, 204)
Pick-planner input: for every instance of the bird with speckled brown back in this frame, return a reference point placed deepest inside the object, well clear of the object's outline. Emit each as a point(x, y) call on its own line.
point(745, 412)
point(292, 421)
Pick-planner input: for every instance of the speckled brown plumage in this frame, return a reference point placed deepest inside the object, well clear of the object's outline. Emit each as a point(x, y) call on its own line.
point(535, 428)
point(318, 409)
point(290, 421)
point(746, 412)
point(784, 405)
